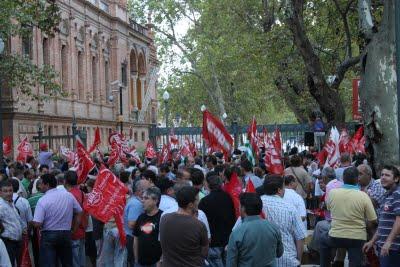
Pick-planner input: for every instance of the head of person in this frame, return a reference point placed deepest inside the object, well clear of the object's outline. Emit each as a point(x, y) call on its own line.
point(124, 176)
point(164, 169)
point(211, 161)
point(198, 161)
point(259, 172)
point(43, 169)
point(345, 160)
point(296, 160)
point(197, 178)
point(29, 174)
point(274, 185)
point(90, 184)
point(71, 178)
point(290, 182)
point(390, 176)
point(214, 182)
point(166, 187)
point(150, 176)
point(246, 165)
point(188, 199)
point(327, 174)
point(6, 190)
point(15, 185)
point(132, 163)
point(250, 204)
point(219, 169)
point(186, 174)
point(19, 172)
point(60, 179)
point(364, 174)
point(151, 199)
point(139, 187)
point(350, 176)
point(49, 182)
point(43, 147)
point(39, 186)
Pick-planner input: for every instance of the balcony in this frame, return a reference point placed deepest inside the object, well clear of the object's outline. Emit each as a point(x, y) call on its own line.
point(137, 27)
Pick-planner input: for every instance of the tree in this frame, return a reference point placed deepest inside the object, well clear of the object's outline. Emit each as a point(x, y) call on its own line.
point(378, 88)
point(17, 18)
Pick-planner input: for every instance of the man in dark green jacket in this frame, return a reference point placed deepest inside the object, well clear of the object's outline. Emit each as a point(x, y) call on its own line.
point(256, 242)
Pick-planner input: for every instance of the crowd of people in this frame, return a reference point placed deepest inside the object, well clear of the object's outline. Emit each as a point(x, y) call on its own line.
point(203, 211)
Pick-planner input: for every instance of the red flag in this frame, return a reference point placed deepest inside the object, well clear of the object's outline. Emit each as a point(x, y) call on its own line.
point(134, 155)
point(108, 200)
point(277, 141)
point(7, 145)
point(344, 142)
point(24, 257)
point(332, 149)
point(84, 164)
point(185, 149)
point(252, 135)
point(234, 188)
point(114, 155)
point(68, 154)
point(150, 153)
point(358, 141)
point(273, 150)
point(24, 150)
point(165, 154)
point(119, 146)
point(215, 134)
point(250, 187)
point(192, 147)
point(96, 141)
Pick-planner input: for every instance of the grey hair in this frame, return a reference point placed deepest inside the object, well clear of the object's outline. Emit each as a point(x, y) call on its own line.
point(138, 186)
point(328, 172)
point(154, 193)
point(367, 168)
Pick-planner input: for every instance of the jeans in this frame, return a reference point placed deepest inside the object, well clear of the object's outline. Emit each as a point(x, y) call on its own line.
point(140, 265)
point(78, 253)
point(320, 229)
point(112, 253)
point(129, 248)
point(13, 249)
point(353, 247)
point(55, 246)
point(215, 257)
point(391, 260)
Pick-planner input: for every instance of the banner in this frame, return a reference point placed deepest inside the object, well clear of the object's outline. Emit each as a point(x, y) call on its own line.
point(25, 149)
point(173, 139)
point(165, 154)
point(273, 153)
point(344, 142)
point(108, 200)
point(84, 163)
point(252, 135)
point(185, 149)
point(134, 155)
point(332, 149)
point(215, 134)
point(119, 146)
point(234, 188)
point(68, 154)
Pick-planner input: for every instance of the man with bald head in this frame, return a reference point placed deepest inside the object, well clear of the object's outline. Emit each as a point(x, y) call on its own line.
point(369, 185)
point(133, 209)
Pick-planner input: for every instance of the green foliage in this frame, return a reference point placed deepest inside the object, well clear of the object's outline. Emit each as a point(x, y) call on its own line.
point(228, 40)
point(17, 18)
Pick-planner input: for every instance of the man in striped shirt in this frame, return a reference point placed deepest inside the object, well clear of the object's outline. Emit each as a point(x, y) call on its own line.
point(387, 237)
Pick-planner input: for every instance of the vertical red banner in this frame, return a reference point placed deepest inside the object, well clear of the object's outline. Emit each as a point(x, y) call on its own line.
point(356, 100)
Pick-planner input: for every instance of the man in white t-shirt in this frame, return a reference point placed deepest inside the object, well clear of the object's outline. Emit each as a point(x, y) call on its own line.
point(292, 197)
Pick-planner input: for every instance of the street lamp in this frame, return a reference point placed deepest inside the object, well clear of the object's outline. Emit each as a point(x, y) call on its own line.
point(166, 98)
point(1, 110)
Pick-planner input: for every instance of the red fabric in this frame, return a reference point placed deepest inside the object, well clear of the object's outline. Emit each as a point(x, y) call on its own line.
point(215, 134)
point(114, 155)
point(24, 150)
point(68, 154)
point(332, 149)
point(165, 154)
point(173, 139)
point(120, 145)
point(7, 145)
point(80, 197)
point(250, 187)
point(97, 140)
point(358, 141)
point(108, 200)
point(234, 188)
point(135, 156)
point(43, 147)
point(344, 142)
point(253, 136)
point(185, 150)
point(273, 150)
point(25, 259)
point(84, 163)
point(150, 153)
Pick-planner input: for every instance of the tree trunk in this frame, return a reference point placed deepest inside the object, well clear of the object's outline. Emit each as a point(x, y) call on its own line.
point(378, 90)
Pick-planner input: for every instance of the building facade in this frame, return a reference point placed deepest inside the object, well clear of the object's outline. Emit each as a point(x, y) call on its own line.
point(97, 51)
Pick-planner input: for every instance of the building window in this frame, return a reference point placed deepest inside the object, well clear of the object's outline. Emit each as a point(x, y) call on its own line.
point(107, 78)
point(94, 80)
point(103, 6)
point(143, 136)
point(135, 137)
point(123, 74)
point(27, 46)
point(64, 67)
point(81, 91)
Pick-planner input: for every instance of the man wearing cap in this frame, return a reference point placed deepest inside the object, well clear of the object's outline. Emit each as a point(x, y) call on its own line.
point(45, 156)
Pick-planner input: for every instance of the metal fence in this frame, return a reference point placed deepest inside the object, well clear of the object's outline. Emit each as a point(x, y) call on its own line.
point(291, 134)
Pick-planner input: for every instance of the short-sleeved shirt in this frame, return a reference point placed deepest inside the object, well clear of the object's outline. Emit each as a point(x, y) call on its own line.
point(389, 210)
point(302, 178)
point(182, 238)
point(55, 210)
point(335, 183)
point(349, 209)
point(297, 201)
point(11, 220)
point(23, 208)
point(132, 211)
point(375, 191)
point(45, 158)
point(146, 230)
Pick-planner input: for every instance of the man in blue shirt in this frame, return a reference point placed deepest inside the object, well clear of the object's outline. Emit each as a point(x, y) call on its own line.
point(256, 242)
point(133, 209)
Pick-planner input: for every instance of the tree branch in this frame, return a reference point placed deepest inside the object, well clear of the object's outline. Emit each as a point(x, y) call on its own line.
point(342, 69)
point(343, 14)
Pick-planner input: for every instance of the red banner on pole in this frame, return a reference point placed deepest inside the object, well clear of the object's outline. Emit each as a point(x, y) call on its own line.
point(215, 134)
point(25, 149)
point(84, 163)
point(356, 100)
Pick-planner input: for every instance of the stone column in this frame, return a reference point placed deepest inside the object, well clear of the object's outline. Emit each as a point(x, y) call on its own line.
point(142, 84)
point(134, 92)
